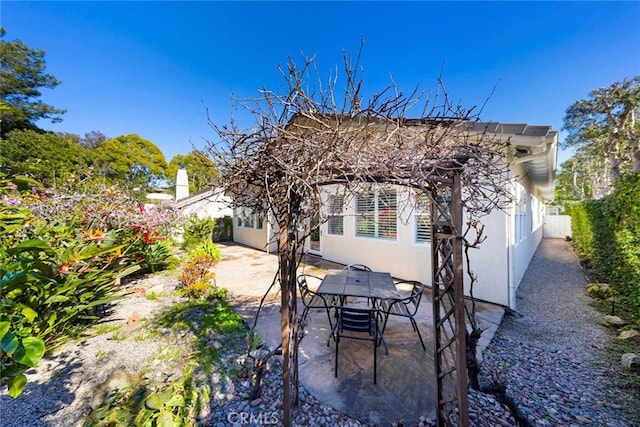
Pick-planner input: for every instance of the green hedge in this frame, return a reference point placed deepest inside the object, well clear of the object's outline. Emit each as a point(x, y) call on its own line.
point(607, 234)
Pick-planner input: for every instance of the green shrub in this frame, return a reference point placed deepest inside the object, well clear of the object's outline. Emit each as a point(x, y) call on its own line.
point(607, 234)
point(223, 230)
point(197, 230)
point(56, 271)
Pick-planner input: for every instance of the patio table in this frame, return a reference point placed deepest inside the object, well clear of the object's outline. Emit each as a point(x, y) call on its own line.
point(374, 285)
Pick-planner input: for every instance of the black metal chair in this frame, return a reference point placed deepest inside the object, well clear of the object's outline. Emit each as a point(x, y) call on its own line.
point(356, 267)
point(364, 322)
point(405, 307)
point(312, 300)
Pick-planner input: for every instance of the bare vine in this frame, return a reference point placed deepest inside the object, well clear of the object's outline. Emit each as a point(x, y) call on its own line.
point(318, 136)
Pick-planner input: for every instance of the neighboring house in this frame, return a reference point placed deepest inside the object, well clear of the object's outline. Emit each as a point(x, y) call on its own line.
point(371, 228)
point(209, 202)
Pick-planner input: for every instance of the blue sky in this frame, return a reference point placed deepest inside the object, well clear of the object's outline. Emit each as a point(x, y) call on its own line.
point(148, 67)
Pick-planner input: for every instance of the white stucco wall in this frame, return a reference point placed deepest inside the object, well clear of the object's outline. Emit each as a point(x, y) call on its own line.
point(406, 259)
point(264, 238)
point(216, 208)
point(499, 263)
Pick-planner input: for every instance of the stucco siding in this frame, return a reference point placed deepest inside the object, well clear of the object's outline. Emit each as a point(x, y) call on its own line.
point(252, 237)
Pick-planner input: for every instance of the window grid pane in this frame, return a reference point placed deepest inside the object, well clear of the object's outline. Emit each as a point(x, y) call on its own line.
point(365, 215)
point(423, 228)
point(387, 215)
point(335, 222)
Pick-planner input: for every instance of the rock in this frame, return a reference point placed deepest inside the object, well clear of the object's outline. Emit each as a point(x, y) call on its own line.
point(631, 333)
point(631, 361)
point(614, 321)
point(133, 319)
point(582, 419)
point(105, 391)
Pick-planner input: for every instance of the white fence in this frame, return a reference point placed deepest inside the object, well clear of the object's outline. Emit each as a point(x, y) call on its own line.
point(557, 226)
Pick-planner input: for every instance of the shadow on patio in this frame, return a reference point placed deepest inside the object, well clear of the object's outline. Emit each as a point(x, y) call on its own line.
point(406, 385)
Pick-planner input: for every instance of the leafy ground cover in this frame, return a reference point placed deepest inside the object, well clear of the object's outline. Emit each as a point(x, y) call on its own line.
point(64, 253)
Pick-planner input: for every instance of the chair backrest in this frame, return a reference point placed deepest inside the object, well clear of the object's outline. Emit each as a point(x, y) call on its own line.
point(416, 294)
point(357, 267)
point(303, 286)
point(357, 319)
point(417, 289)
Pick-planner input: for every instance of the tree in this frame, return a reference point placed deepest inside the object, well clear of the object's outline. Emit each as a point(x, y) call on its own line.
point(605, 132)
point(201, 170)
point(132, 160)
point(46, 157)
point(90, 140)
point(22, 75)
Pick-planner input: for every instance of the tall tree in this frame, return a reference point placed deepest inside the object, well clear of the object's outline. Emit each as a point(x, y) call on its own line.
point(132, 160)
point(90, 140)
point(22, 75)
point(45, 156)
point(604, 129)
point(201, 170)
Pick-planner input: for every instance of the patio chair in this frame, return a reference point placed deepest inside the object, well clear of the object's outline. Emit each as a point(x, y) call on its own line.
point(405, 307)
point(355, 267)
point(312, 300)
point(359, 324)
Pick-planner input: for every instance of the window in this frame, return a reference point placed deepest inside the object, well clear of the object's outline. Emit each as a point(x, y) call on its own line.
point(537, 212)
point(423, 220)
point(520, 201)
point(335, 221)
point(377, 215)
point(247, 219)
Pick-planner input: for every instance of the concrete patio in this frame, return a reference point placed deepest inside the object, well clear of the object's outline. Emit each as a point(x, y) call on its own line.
point(406, 385)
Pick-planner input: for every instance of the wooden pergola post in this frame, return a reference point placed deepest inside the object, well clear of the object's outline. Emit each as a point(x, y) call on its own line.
point(449, 318)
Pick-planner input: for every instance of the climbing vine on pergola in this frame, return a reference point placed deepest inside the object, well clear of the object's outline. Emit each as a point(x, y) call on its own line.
point(325, 136)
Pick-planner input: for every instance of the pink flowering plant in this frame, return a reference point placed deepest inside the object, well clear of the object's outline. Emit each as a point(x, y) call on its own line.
point(62, 256)
point(103, 210)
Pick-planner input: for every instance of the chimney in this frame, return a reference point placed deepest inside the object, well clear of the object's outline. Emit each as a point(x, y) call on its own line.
point(182, 184)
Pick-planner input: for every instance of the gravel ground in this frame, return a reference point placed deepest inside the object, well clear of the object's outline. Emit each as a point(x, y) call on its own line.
point(551, 352)
point(552, 349)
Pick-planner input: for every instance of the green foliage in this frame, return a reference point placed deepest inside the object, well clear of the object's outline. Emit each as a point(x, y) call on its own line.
point(208, 249)
point(201, 170)
point(62, 257)
point(175, 405)
point(196, 231)
point(607, 234)
point(133, 161)
point(49, 158)
point(603, 130)
point(18, 351)
point(22, 75)
point(223, 230)
point(158, 256)
point(178, 402)
point(601, 291)
point(196, 275)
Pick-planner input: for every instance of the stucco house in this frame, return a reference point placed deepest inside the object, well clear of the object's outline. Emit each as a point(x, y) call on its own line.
point(370, 229)
point(210, 202)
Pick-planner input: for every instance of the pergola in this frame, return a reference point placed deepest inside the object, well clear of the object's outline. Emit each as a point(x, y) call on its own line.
point(305, 142)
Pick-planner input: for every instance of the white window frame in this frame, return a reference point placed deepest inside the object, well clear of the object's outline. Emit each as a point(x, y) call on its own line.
point(520, 210)
point(375, 230)
point(335, 215)
point(422, 212)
